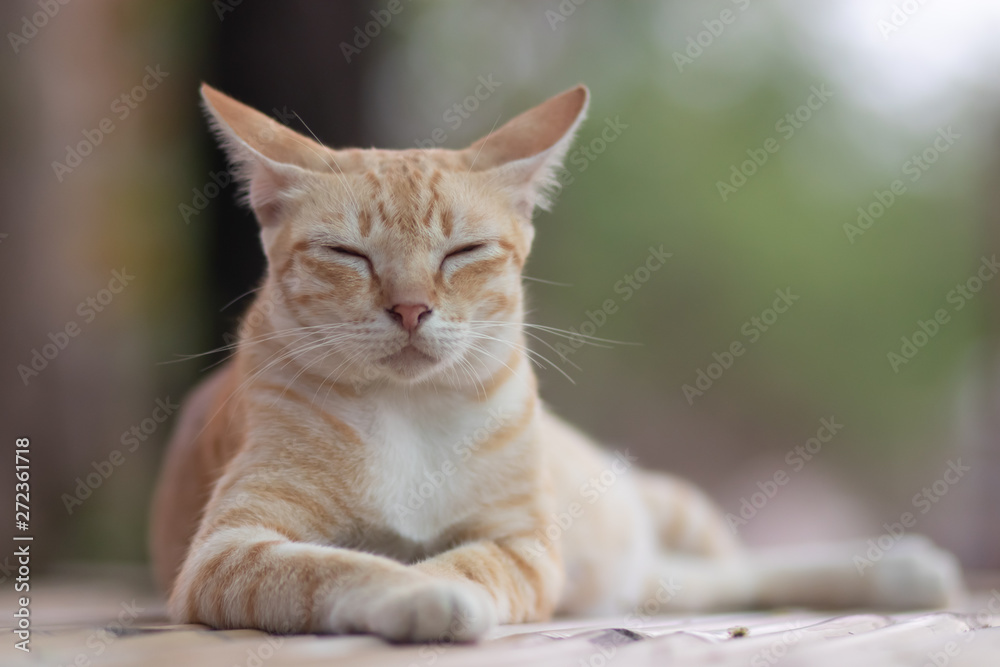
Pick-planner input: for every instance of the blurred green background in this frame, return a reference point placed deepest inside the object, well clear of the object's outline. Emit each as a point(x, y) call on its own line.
point(808, 110)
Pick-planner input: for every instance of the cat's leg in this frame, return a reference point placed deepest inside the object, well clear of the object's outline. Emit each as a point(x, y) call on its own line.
point(700, 564)
point(685, 520)
point(912, 574)
point(257, 577)
point(253, 576)
point(523, 581)
point(703, 567)
point(616, 523)
point(259, 561)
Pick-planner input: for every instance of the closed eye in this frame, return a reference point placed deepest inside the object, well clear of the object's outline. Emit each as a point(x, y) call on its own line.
point(349, 252)
point(472, 247)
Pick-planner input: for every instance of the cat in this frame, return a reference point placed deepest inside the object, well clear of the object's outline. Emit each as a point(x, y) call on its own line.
point(375, 458)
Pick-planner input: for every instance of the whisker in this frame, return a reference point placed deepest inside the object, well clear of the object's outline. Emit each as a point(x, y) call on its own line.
point(263, 367)
point(547, 282)
point(328, 341)
point(470, 372)
point(346, 364)
point(552, 347)
point(490, 134)
point(512, 344)
point(283, 354)
point(557, 332)
point(479, 348)
point(330, 385)
point(339, 171)
point(530, 354)
point(247, 293)
point(254, 340)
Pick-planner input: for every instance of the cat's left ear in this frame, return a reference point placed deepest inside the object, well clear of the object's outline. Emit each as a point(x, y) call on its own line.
point(269, 158)
point(527, 151)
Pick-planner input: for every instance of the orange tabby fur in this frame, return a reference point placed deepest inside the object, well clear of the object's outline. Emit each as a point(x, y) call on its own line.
point(375, 457)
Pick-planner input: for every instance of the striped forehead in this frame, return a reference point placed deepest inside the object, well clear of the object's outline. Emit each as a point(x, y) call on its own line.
point(404, 195)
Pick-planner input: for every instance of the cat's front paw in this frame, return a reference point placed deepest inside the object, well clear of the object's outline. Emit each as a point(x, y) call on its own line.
point(433, 610)
point(915, 574)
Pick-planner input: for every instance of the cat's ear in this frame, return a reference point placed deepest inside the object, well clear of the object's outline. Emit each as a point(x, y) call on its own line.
point(528, 150)
point(268, 158)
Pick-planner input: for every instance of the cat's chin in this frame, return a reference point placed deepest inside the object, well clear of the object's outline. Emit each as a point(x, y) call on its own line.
point(410, 364)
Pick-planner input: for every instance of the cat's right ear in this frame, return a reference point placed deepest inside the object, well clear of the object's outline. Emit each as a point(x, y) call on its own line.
point(526, 152)
point(267, 158)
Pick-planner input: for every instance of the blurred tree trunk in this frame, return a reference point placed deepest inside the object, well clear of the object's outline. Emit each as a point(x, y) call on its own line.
point(61, 239)
point(283, 59)
point(971, 528)
point(69, 231)
point(985, 523)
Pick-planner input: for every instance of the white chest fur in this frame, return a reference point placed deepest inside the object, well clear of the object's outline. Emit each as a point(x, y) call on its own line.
point(429, 461)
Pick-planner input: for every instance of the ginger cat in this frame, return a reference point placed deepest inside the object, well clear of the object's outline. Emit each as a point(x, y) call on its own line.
point(375, 457)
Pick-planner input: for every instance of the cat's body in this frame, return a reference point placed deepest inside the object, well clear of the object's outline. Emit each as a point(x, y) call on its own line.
point(375, 457)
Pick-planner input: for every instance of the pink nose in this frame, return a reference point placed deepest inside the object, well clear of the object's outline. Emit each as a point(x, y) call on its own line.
point(410, 315)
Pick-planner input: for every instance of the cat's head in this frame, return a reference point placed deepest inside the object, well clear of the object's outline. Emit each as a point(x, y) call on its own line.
point(407, 261)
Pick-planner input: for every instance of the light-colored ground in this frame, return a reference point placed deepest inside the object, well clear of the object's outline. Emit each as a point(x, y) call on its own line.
point(84, 619)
